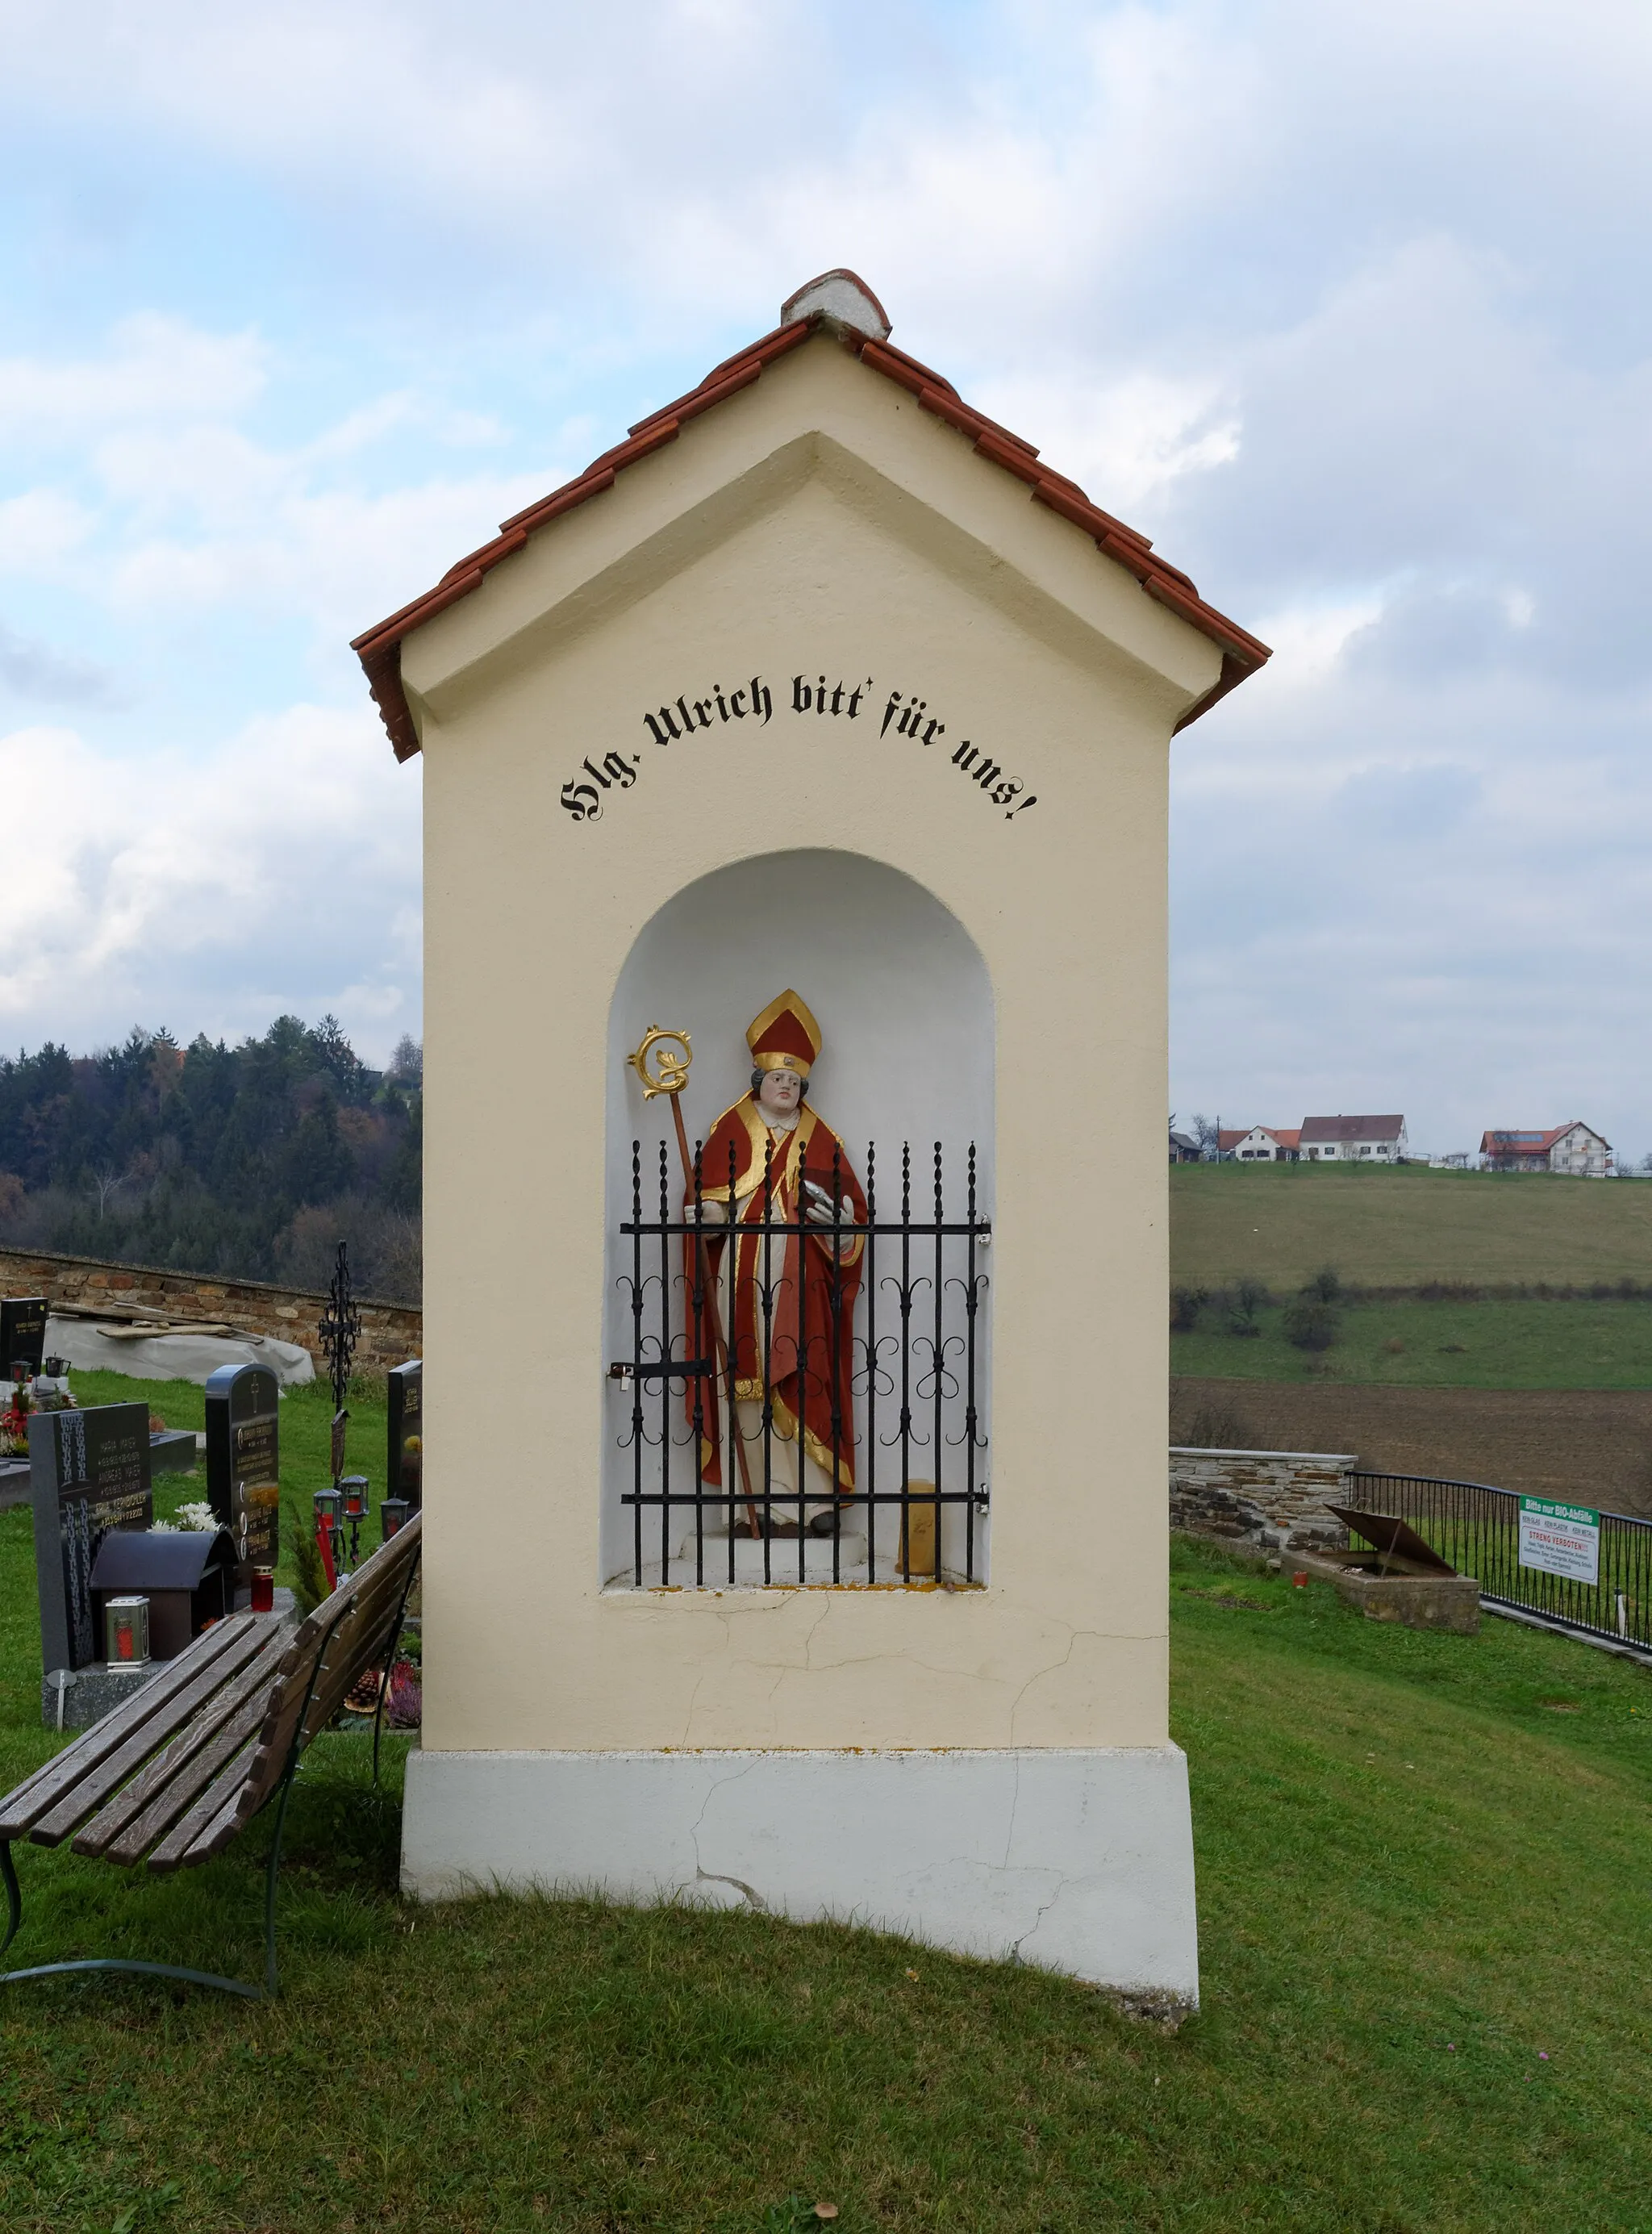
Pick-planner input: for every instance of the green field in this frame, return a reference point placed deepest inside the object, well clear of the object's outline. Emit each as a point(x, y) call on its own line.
point(1423, 1917)
point(1516, 1343)
point(1402, 1228)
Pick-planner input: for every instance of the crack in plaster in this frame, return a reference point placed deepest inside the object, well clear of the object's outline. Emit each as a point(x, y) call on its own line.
point(712, 1877)
point(717, 1877)
point(1050, 1667)
point(1044, 1908)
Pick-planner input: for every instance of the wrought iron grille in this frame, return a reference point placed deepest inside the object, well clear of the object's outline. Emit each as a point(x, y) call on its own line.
point(882, 1382)
point(1478, 1529)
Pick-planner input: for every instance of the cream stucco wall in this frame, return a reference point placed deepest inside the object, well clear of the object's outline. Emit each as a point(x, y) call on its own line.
point(819, 521)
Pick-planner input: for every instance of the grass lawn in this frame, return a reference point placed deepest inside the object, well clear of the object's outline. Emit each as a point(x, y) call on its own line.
point(1424, 1922)
point(1401, 1228)
point(1511, 1343)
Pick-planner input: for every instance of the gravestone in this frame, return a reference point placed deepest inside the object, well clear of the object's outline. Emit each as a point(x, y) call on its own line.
point(22, 1332)
point(244, 1462)
point(88, 1473)
point(404, 1475)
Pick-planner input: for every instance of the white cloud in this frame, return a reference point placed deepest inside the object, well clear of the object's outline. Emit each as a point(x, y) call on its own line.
point(1335, 303)
point(174, 505)
point(40, 529)
point(1122, 439)
point(211, 893)
point(154, 368)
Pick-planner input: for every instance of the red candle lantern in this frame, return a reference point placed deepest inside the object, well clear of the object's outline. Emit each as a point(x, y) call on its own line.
point(126, 1631)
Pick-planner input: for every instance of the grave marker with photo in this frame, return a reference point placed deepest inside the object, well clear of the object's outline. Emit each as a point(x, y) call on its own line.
point(244, 1462)
point(405, 1473)
point(23, 1333)
point(88, 1473)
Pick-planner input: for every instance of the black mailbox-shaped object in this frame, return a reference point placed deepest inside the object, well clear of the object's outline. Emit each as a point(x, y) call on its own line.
point(187, 1577)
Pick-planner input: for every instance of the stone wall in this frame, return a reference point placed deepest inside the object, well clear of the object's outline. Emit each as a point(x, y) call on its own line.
point(1260, 1500)
point(390, 1332)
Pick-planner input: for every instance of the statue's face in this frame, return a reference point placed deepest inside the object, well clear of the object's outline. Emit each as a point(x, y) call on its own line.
point(781, 1092)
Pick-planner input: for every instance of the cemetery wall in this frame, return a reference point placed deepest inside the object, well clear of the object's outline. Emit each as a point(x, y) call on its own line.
point(390, 1332)
point(1263, 1501)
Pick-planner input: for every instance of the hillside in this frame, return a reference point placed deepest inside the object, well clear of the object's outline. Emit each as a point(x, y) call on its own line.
point(1422, 1928)
point(1282, 1222)
point(249, 1160)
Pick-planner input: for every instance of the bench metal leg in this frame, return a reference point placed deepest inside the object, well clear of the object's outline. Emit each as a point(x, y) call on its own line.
point(389, 1663)
point(144, 1970)
point(14, 1901)
point(14, 1894)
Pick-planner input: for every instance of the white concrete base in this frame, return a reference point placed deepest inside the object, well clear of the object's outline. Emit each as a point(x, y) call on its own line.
point(1080, 1861)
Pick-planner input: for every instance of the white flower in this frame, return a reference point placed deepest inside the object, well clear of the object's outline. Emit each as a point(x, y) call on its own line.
point(198, 1515)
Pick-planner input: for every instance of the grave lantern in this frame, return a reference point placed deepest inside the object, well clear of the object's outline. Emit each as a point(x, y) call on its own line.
point(126, 1631)
point(187, 1576)
point(393, 1514)
point(816, 741)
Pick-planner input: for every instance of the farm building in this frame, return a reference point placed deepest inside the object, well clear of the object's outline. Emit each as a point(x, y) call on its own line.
point(1262, 1143)
point(1572, 1149)
point(1348, 1139)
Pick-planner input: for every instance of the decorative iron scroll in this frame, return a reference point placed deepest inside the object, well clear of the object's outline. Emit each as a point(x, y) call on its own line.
point(902, 1433)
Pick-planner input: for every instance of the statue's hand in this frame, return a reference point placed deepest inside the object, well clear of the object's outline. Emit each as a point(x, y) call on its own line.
point(706, 1213)
point(820, 1210)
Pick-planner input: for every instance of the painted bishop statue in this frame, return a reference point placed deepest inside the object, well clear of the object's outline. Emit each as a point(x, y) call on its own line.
point(788, 1306)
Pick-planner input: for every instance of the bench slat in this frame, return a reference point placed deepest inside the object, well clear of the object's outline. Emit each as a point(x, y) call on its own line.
point(218, 1801)
point(156, 1709)
point(224, 1826)
point(359, 1642)
point(165, 1785)
point(197, 1700)
point(333, 1685)
point(187, 1762)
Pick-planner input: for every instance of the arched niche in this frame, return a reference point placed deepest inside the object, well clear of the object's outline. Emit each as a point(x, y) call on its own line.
point(905, 1004)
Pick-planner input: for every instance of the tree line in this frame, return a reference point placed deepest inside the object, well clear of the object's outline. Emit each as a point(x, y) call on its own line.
point(250, 1161)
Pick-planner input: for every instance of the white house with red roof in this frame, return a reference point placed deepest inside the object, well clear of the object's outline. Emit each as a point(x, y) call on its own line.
point(1573, 1150)
point(1353, 1140)
point(1262, 1143)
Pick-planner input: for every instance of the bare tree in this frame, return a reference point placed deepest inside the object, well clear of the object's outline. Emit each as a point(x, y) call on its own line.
point(104, 1185)
point(407, 1064)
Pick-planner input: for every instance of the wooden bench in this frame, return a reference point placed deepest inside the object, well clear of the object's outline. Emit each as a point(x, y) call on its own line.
point(177, 1771)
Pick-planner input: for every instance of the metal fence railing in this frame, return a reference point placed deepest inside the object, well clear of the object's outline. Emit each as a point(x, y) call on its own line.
point(1478, 1529)
point(810, 1404)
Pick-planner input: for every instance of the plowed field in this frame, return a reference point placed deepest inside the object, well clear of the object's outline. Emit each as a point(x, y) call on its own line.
point(1592, 1446)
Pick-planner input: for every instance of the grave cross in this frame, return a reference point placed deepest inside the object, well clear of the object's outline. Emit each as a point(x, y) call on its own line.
point(340, 1330)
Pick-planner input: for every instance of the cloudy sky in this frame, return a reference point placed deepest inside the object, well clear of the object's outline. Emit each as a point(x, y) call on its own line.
point(1345, 304)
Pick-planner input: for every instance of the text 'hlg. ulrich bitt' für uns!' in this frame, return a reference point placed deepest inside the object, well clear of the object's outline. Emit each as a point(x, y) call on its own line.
point(902, 715)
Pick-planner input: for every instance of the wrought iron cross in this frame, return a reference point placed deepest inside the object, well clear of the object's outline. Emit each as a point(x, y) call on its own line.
point(340, 1327)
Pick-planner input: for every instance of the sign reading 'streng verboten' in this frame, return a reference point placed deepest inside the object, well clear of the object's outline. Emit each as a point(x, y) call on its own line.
point(1560, 1539)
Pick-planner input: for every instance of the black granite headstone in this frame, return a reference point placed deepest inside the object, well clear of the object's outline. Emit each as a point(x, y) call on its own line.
point(22, 1332)
point(243, 1461)
point(89, 1472)
point(405, 1474)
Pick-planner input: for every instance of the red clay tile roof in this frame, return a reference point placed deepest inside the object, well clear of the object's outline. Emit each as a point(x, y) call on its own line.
point(1512, 1142)
point(380, 649)
point(1276, 1133)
